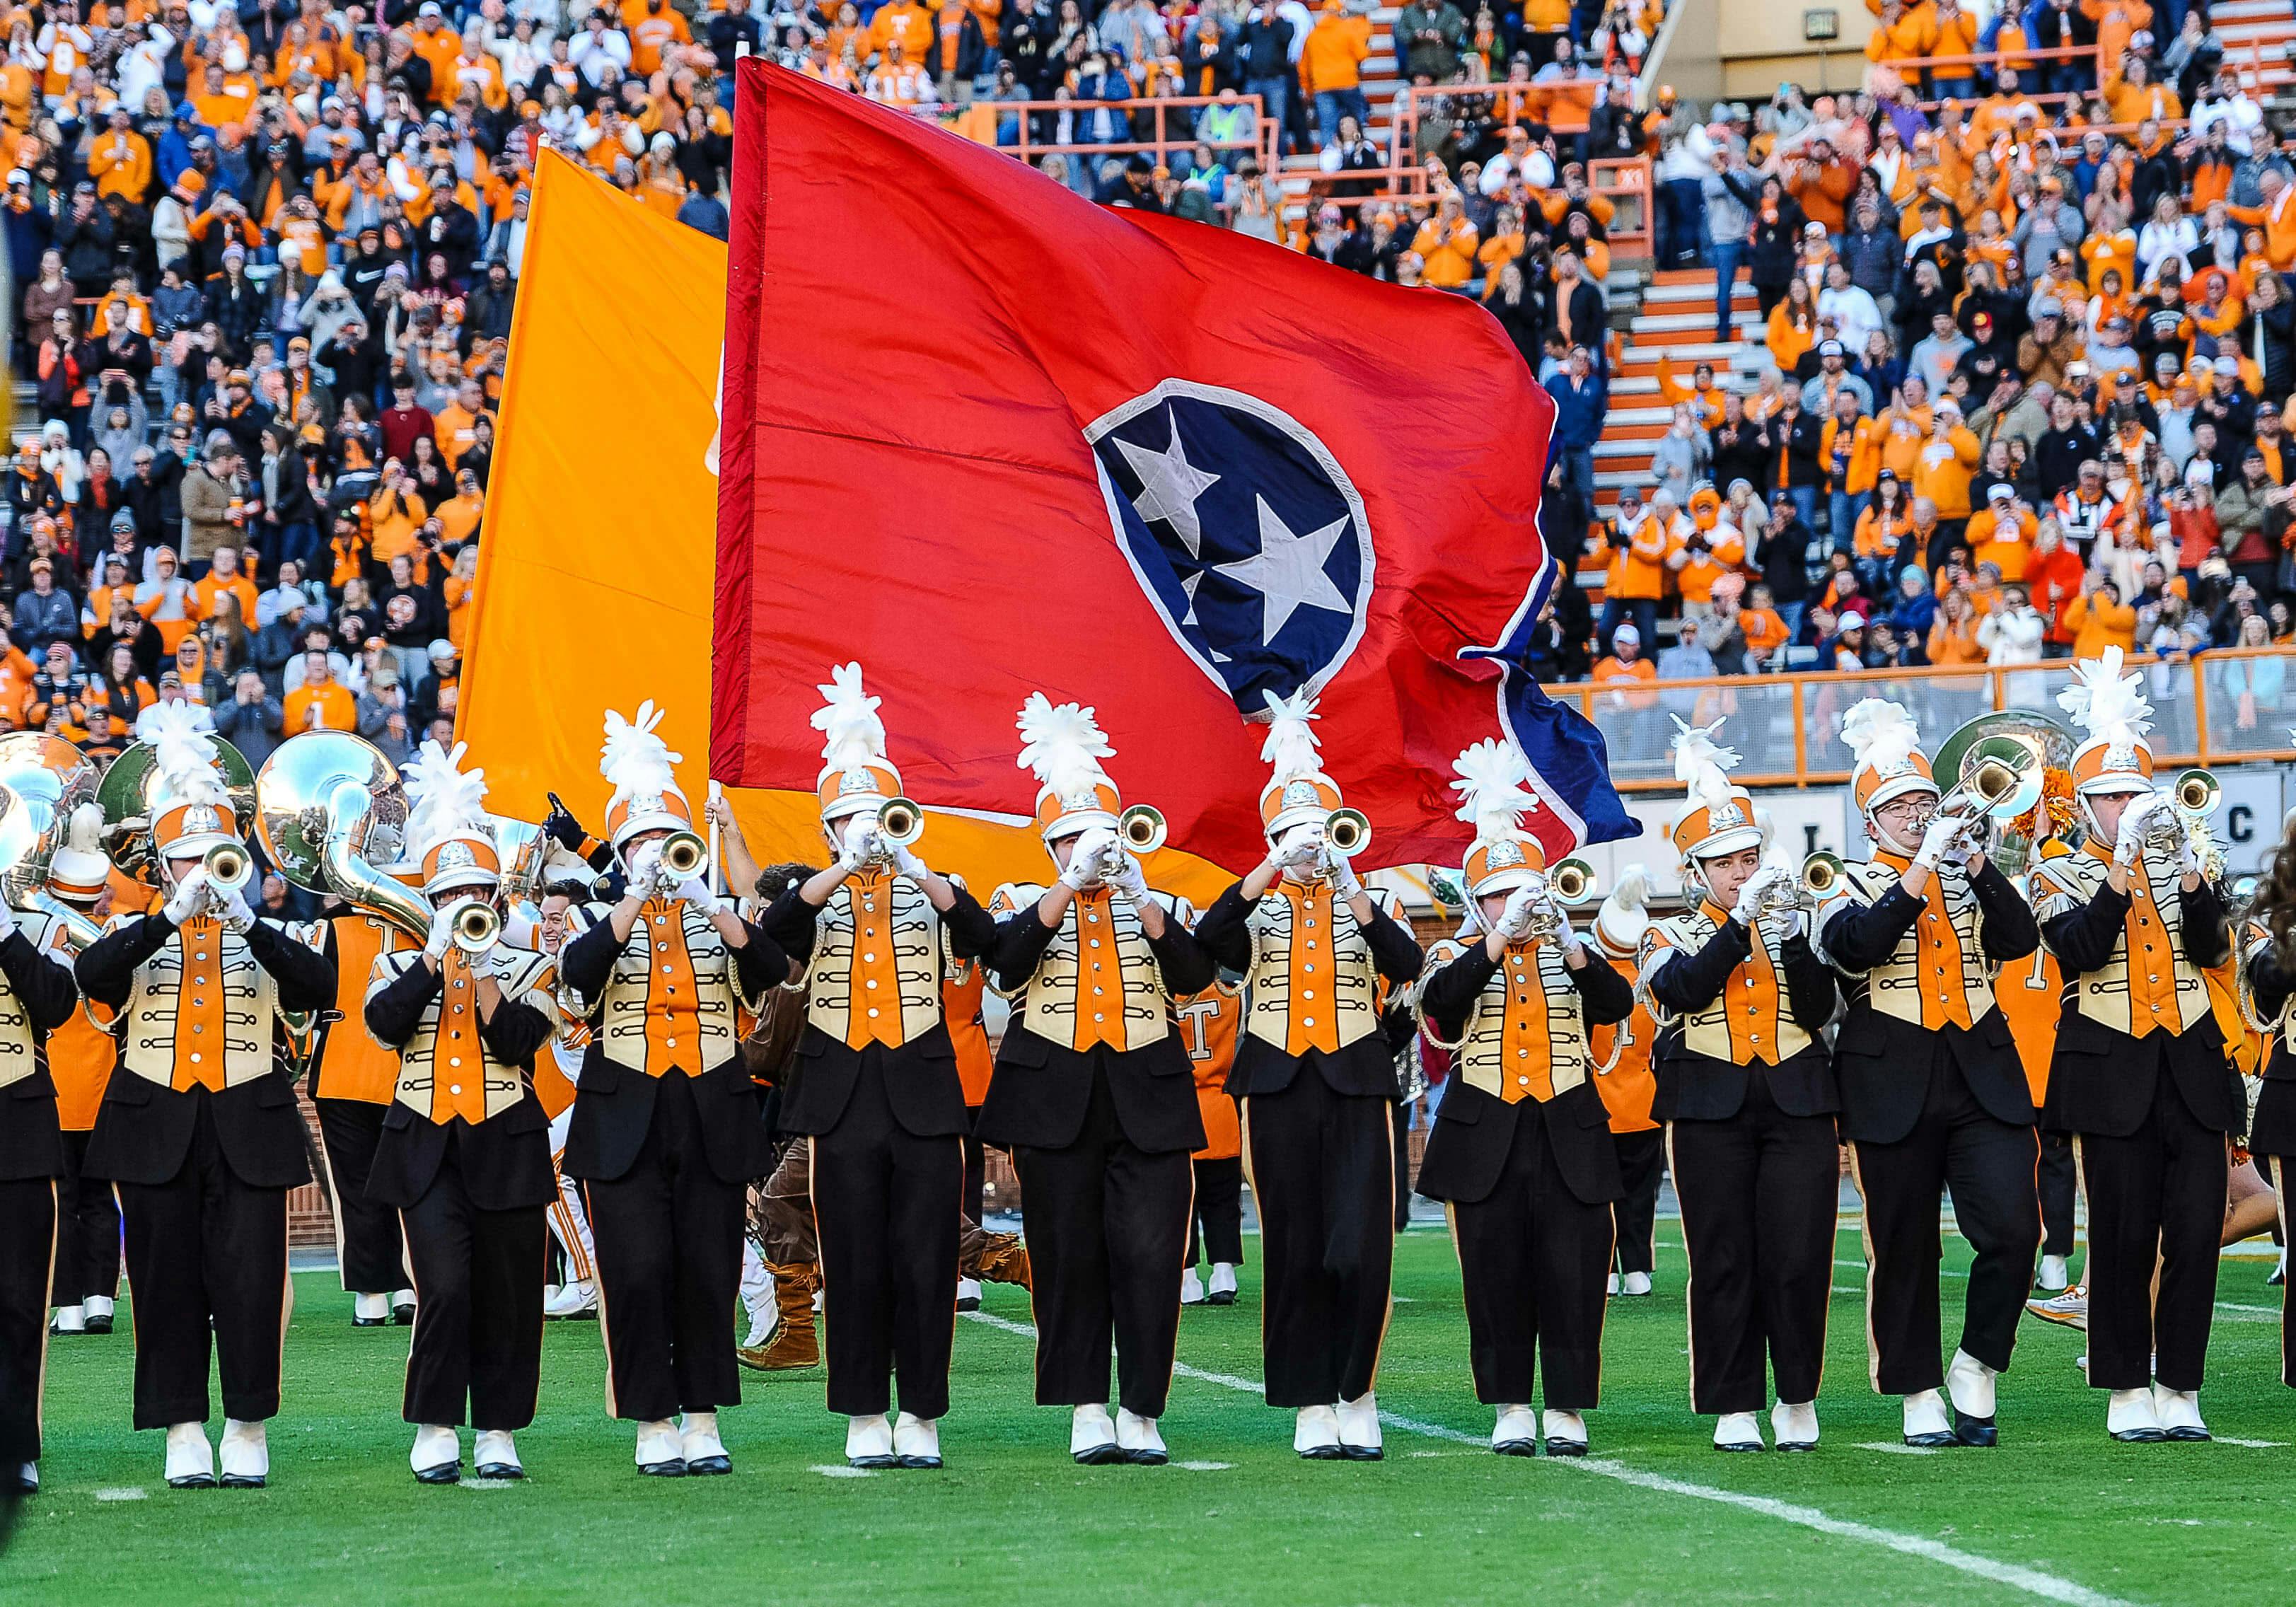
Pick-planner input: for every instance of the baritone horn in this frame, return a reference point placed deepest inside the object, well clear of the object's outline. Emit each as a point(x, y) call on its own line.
point(1347, 832)
point(900, 822)
point(1141, 829)
point(1821, 874)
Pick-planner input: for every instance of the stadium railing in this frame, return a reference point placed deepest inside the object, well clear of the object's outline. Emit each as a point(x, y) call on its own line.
point(2224, 705)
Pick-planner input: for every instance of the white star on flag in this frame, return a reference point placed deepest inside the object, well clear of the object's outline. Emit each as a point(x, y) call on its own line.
point(1169, 485)
point(1288, 569)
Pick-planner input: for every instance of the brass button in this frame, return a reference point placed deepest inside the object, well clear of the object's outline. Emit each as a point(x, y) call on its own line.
point(1099, 1018)
point(1309, 1022)
point(198, 1027)
point(661, 921)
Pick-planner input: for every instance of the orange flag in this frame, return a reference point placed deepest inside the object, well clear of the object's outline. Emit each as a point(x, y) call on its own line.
point(596, 559)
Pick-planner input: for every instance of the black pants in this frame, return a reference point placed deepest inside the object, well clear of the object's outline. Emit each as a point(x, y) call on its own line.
point(1991, 1167)
point(669, 1239)
point(1107, 1224)
point(1220, 1212)
point(1758, 1192)
point(2283, 1177)
point(1323, 1165)
point(880, 1200)
point(478, 1312)
point(2154, 1197)
point(87, 1230)
point(976, 1169)
point(1642, 1163)
point(367, 1243)
point(27, 1253)
point(1533, 1259)
point(1401, 1122)
point(2059, 1177)
point(207, 1258)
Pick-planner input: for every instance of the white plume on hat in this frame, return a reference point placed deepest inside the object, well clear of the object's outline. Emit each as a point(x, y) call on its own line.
point(852, 735)
point(1062, 745)
point(1701, 764)
point(185, 754)
point(2105, 703)
point(1491, 777)
point(448, 799)
point(1880, 734)
point(1625, 913)
point(1291, 744)
point(636, 761)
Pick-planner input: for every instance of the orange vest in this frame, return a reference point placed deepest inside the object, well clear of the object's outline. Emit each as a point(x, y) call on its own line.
point(80, 1058)
point(1208, 1032)
point(352, 1065)
point(960, 1004)
point(1628, 1089)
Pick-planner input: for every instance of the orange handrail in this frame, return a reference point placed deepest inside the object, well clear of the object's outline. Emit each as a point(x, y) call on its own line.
point(1167, 133)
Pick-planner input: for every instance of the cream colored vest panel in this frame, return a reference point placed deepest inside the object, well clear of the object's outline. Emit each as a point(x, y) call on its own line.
point(1894, 987)
point(917, 961)
point(522, 975)
point(1355, 979)
point(1049, 1002)
point(251, 1010)
point(1482, 1044)
point(622, 1009)
point(19, 1046)
point(2103, 995)
point(1707, 1032)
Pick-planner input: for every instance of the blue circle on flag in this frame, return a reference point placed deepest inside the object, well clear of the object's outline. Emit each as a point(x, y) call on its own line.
point(1244, 532)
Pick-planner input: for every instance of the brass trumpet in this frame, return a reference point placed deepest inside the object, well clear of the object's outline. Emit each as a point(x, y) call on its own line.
point(1821, 874)
point(683, 854)
point(2193, 797)
point(1141, 828)
point(228, 866)
point(1347, 832)
point(900, 822)
point(476, 925)
point(1571, 882)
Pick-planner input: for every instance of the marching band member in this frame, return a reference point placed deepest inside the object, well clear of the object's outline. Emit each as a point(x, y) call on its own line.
point(352, 1080)
point(664, 1124)
point(875, 1089)
point(2271, 979)
point(1092, 1097)
point(1208, 1024)
point(2140, 1075)
point(1521, 1149)
point(81, 1056)
point(37, 997)
point(201, 1136)
point(982, 1256)
point(1628, 1087)
point(1933, 1095)
point(1748, 1099)
point(1316, 1083)
point(554, 1085)
point(464, 1153)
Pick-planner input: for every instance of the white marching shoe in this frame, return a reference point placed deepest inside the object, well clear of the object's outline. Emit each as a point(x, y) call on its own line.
point(495, 1455)
point(968, 1294)
point(916, 1440)
point(2131, 1417)
point(1926, 1426)
point(660, 1453)
point(2054, 1276)
point(581, 1299)
point(69, 1319)
point(1191, 1288)
point(1566, 1433)
point(99, 1309)
point(190, 1459)
point(869, 1442)
point(1794, 1427)
point(1221, 1291)
point(698, 1443)
point(437, 1457)
point(1359, 1429)
point(1970, 1386)
point(1635, 1284)
point(1092, 1436)
point(370, 1310)
point(1137, 1437)
point(402, 1308)
point(245, 1455)
point(1516, 1431)
point(2179, 1411)
point(1316, 1434)
point(1612, 1286)
point(1738, 1431)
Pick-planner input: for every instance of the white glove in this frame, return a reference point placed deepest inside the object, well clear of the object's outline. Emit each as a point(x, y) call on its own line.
point(1300, 848)
point(190, 897)
point(236, 914)
point(696, 891)
point(2136, 825)
point(1514, 921)
point(860, 847)
point(1938, 839)
point(909, 864)
point(644, 867)
point(1086, 857)
point(2192, 862)
point(1785, 925)
point(1345, 883)
point(442, 932)
point(1130, 883)
point(1750, 898)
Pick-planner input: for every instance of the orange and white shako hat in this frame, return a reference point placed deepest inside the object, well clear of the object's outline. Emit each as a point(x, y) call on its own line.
point(1504, 857)
point(1717, 819)
point(1062, 745)
point(1884, 742)
point(79, 871)
point(856, 776)
point(1299, 793)
point(190, 809)
point(1624, 916)
point(448, 831)
point(640, 768)
point(2113, 708)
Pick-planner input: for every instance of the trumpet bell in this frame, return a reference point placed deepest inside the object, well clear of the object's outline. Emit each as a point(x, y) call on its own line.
point(2197, 792)
point(1821, 874)
point(1347, 831)
point(1571, 882)
point(1142, 828)
point(228, 866)
point(476, 925)
point(683, 854)
point(900, 822)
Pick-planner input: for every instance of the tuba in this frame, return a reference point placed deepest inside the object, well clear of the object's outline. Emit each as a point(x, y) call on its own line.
point(46, 779)
point(327, 807)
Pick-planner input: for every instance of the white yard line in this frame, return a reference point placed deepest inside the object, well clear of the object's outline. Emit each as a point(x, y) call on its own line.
point(2029, 1580)
point(1895, 1448)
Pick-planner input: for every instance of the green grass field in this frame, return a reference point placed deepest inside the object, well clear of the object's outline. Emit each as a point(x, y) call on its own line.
point(2057, 1513)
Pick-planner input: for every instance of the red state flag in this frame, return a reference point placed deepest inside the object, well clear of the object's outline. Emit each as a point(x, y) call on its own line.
point(988, 438)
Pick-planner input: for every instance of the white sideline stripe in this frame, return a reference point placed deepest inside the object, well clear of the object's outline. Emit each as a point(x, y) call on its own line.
point(1897, 1449)
point(2253, 1444)
point(2031, 1581)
